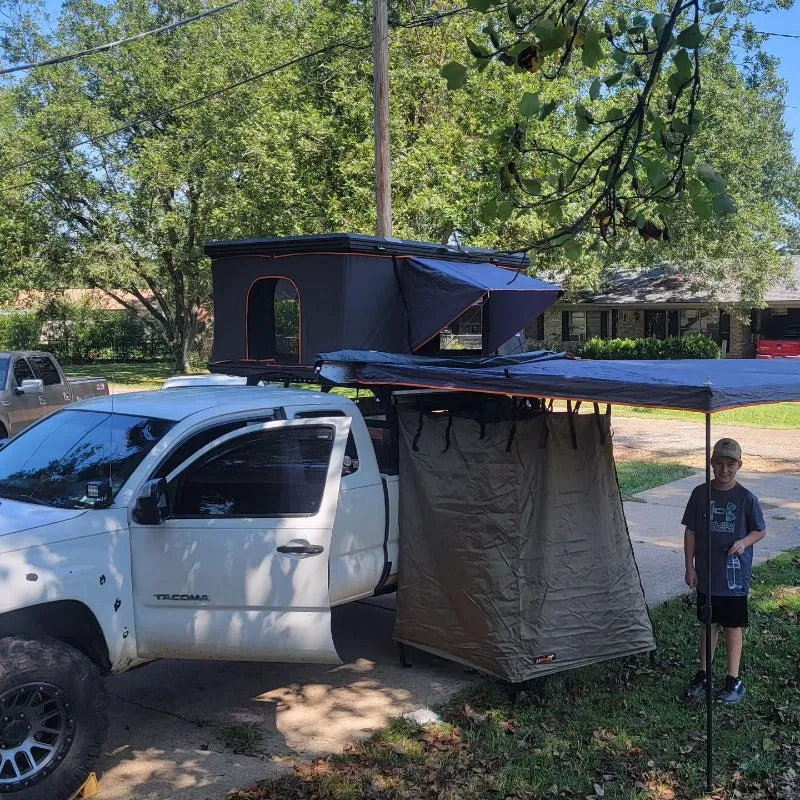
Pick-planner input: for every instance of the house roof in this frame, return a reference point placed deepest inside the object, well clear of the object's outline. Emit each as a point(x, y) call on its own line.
point(667, 285)
point(94, 298)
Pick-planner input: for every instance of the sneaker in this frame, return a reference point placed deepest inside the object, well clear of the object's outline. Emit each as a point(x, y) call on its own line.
point(733, 691)
point(697, 688)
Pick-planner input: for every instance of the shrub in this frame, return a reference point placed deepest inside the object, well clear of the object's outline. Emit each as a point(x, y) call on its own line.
point(79, 334)
point(696, 345)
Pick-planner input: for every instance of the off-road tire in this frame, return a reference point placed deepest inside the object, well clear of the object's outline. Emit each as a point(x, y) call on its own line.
point(82, 690)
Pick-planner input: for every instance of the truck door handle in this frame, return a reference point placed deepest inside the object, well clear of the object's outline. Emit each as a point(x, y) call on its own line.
point(301, 549)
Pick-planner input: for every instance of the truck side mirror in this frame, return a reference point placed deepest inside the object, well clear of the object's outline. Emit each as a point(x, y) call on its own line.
point(152, 504)
point(31, 386)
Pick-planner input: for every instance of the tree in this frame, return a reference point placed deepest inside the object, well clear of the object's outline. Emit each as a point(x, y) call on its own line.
point(92, 199)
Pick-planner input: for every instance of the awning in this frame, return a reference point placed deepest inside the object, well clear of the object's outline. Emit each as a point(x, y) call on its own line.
point(436, 292)
point(690, 385)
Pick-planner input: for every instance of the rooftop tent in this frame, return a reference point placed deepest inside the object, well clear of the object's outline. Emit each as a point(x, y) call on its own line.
point(690, 385)
point(285, 300)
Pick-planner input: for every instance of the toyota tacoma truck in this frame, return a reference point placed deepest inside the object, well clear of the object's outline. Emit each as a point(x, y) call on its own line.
point(786, 347)
point(199, 523)
point(33, 385)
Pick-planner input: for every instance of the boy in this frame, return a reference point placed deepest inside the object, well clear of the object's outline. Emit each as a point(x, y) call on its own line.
point(737, 523)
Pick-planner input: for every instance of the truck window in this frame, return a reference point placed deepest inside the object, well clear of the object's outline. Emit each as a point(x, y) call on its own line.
point(197, 441)
point(45, 368)
point(22, 371)
point(51, 462)
point(350, 464)
point(271, 473)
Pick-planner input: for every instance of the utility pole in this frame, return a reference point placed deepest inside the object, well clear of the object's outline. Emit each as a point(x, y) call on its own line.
point(380, 97)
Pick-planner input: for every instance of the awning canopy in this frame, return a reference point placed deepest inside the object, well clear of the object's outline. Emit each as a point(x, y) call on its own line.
point(690, 385)
point(436, 292)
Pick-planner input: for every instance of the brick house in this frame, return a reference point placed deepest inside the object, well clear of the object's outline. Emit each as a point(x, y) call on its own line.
point(661, 302)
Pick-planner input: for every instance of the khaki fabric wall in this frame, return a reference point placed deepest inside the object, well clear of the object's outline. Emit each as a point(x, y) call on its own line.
point(515, 560)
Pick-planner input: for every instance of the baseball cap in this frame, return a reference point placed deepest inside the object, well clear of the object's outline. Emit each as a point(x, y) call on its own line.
point(727, 448)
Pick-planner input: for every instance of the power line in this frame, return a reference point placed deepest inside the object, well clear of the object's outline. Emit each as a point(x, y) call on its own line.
point(111, 45)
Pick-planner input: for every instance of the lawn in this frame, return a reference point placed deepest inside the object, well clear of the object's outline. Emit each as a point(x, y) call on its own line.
point(639, 476)
point(617, 731)
point(127, 376)
point(776, 415)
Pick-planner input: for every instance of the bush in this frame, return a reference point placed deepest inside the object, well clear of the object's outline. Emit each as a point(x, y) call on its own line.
point(696, 345)
point(79, 334)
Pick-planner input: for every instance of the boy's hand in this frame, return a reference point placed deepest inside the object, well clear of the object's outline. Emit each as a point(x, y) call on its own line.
point(737, 548)
point(691, 577)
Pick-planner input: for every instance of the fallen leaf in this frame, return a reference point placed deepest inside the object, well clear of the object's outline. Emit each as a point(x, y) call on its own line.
point(599, 789)
point(396, 748)
point(508, 725)
point(547, 726)
point(554, 789)
point(469, 713)
point(635, 751)
point(686, 749)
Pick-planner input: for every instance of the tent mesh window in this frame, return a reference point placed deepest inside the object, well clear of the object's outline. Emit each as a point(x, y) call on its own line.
point(273, 320)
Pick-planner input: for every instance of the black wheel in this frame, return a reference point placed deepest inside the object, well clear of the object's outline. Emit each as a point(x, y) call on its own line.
point(52, 718)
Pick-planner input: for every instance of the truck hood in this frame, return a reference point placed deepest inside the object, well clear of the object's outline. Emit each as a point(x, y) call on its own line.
point(17, 517)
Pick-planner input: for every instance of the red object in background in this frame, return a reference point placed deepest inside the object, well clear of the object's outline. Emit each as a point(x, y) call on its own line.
point(787, 347)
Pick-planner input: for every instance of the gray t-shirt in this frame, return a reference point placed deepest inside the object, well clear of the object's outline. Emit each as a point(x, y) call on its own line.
point(734, 513)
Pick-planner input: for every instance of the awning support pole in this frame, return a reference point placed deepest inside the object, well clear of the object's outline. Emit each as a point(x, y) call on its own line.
point(708, 612)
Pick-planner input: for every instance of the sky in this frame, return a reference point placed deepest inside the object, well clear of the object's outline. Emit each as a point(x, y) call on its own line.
point(788, 50)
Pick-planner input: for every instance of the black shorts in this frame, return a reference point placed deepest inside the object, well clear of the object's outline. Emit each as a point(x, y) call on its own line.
point(730, 612)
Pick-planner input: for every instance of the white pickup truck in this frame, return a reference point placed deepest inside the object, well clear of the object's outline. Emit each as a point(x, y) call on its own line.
point(210, 523)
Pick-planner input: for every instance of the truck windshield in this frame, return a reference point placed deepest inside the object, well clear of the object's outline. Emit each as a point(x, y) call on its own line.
point(52, 462)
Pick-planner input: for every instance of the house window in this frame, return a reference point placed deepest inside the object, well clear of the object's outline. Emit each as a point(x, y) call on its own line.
point(655, 324)
point(696, 320)
point(580, 326)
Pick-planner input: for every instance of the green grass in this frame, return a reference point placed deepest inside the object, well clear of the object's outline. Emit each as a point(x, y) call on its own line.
point(778, 415)
point(242, 737)
point(127, 376)
point(639, 476)
point(618, 731)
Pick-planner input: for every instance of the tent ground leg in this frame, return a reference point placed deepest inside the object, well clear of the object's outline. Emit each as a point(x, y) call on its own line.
point(403, 656)
point(708, 615)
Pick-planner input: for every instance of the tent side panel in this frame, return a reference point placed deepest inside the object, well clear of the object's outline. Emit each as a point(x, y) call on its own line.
point(374, 315)
point(516, 562)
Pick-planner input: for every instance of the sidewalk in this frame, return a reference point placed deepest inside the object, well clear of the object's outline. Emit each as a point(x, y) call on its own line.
point(654, 522)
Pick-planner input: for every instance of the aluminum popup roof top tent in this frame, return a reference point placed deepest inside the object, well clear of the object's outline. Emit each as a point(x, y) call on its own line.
point(360, 292)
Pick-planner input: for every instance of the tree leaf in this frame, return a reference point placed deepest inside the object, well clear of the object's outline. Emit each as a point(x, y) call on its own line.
point(684, 65)
point(592, 51)
point(455, 74)
point(582, 125)
point(546, 110)
point(689, 157)
point(613, 79)
point(658, 22)
point(477, 50)
point(491, 32)
point(594, 89)
point(715, 8)
point(614, 114)
point(505, 208)
point(529, 104)
point(641, 220)
point(701, 207)
point(675, 82)
point(724, 204)
point(480, 5)
point(572, 250)
point(622, 23)
point(532, 186)
point(555, 213)
point(619, 57)
point(691, 37)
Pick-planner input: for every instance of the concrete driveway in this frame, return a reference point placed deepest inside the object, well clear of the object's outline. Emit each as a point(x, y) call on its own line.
point(164, 739)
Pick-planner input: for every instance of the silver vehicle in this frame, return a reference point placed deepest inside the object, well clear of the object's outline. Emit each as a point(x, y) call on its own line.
point(34, 385)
